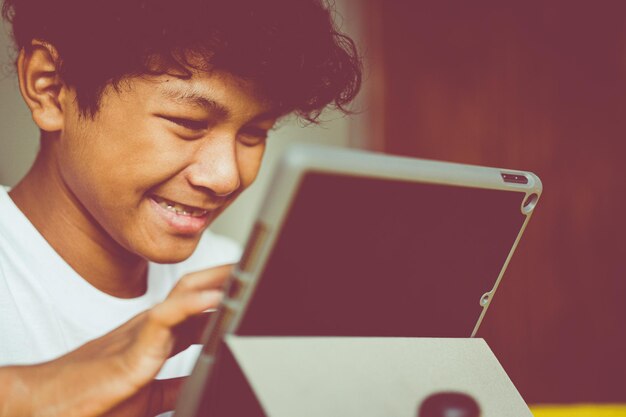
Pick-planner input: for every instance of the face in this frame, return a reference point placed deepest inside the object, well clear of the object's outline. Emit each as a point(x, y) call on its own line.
point(163, 157)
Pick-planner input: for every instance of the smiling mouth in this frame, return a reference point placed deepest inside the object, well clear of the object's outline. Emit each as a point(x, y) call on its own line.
point(180, 209)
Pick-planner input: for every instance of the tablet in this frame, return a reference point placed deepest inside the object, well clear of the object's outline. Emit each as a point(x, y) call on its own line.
point(354, 243)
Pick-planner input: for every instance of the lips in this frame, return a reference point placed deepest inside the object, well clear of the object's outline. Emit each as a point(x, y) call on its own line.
point(181, 219)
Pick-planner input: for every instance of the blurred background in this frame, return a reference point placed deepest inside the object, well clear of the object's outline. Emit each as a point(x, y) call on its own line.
point(533, 85)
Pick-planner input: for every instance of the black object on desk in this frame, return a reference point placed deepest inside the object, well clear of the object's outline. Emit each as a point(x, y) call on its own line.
point(449, 404)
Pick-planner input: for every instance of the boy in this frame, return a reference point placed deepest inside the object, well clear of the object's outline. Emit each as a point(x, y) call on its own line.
point(153, 118)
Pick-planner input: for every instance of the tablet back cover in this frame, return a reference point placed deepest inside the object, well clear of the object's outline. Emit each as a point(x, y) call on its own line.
point(361, 256)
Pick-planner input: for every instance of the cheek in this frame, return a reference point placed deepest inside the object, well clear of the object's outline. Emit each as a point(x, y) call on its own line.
point(249, 161)
point(131, 156)
point(110, 168)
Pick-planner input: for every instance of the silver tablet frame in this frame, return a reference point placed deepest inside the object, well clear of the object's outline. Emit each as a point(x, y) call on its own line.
point(300, 159)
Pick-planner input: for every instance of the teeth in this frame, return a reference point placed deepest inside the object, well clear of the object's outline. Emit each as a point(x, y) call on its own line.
point(179, 209)
point(198, 213)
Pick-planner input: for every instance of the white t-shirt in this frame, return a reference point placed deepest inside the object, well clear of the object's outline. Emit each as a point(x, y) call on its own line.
point(47, 309)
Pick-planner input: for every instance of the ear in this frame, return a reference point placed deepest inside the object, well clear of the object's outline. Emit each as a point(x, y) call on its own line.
point(41, 86)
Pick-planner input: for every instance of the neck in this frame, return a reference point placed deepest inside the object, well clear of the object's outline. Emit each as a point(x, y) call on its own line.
point(74, 234)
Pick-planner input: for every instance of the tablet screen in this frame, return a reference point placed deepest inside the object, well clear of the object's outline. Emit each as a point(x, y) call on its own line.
point(358, 256)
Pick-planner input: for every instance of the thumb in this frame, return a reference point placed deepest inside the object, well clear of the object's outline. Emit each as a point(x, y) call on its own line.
point(163, 395)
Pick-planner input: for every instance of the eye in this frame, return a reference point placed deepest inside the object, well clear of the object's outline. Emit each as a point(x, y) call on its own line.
point(252, 136)
point(189, 124)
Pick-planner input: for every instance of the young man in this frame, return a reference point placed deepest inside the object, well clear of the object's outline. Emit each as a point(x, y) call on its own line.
point(153, 117)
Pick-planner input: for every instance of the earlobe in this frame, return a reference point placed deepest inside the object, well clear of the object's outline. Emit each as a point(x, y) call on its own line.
point(41, 86)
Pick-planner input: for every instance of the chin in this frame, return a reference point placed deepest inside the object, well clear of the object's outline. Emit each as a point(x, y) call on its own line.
point(167, 259)
point(170, 254)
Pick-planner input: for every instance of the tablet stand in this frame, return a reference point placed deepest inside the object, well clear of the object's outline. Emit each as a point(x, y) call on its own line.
point(357, 377)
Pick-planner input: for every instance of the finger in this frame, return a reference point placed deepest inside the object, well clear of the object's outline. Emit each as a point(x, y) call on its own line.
point(175, 310)
point(190, 332)
point(193, 294)
point(193, 328)
point(155, 398)
point(206, 279)
point(164, 394)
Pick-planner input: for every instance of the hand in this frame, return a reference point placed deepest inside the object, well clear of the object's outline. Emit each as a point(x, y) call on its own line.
point(114, 374)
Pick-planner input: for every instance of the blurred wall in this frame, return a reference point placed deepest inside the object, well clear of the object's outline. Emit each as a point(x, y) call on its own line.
point(540, 86)
point(19, 137)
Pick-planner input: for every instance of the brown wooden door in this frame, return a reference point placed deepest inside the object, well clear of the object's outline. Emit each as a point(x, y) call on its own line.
point(539, 86)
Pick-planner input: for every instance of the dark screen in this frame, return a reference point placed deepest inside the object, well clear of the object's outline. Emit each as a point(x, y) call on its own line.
point(369, 257)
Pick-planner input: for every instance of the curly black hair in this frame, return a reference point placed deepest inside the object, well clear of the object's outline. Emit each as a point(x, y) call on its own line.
point(290, 49)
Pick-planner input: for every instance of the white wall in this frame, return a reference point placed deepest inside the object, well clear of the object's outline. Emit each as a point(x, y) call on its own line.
point(19, 137)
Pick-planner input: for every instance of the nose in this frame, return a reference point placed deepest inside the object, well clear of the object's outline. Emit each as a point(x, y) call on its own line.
point(215, 167)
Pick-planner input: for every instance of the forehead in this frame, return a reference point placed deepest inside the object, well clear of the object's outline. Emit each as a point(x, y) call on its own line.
point(217, 92)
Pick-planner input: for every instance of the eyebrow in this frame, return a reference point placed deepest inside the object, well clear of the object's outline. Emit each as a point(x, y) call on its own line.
point(195, 98)
point(198, 98)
